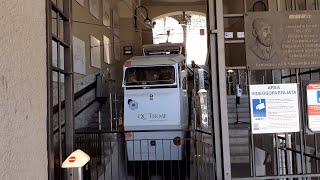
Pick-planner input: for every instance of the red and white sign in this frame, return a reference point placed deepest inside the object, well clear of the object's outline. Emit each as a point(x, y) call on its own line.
point(72, 159)
point(313, 102)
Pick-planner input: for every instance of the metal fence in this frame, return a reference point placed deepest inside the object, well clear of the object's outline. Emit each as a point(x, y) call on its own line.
point(109, 152)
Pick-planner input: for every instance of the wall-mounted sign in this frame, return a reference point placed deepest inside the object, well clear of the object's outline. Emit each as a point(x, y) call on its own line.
point(313, 102)
point(79, 56)
point(278, 40)
point(228, 35)
point(274, 108)
point(127, 50)
point(95, 52)
point(240, 34)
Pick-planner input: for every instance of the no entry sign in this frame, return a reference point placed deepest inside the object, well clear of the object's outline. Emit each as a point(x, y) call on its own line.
point(72, 159)
point(313, 102)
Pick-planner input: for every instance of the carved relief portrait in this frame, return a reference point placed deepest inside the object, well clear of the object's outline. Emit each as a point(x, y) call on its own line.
point(263, 46)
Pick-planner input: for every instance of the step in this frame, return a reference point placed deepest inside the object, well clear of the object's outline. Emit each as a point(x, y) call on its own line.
point(240, 159)
point(243, 140)
point(234, 96)
point(240, 115)
point(234, 120)
point(238, 132)
point(239, 110)
point(242, 105)
point(240, 150)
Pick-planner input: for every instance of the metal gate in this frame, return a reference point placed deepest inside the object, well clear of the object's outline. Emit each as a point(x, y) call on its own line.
point(109, 155)
point(270, 156)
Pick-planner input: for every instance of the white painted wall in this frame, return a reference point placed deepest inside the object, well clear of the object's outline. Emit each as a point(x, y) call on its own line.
point(23, 97)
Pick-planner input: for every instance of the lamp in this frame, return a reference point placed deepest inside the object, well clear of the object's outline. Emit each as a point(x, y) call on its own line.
point(147, 20)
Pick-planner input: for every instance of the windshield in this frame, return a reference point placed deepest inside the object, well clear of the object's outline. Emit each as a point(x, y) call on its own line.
point(150, 75)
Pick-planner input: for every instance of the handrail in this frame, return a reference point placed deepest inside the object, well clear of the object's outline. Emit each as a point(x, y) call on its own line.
point(76, 96)
point(135, 131)
point(301, 73)
point(296, 151)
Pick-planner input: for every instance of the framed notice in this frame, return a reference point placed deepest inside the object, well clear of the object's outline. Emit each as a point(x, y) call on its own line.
point(313, 103)
point(94, 8)
point(95, 52)
point(290, 41)
point(116, 48)
point(274, 108)
point(79, 56)
point(115, 23)
point(106, 50)
point(106, 17)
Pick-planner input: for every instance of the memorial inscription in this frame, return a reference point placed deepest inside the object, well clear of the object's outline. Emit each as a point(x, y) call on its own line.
point(277, 40)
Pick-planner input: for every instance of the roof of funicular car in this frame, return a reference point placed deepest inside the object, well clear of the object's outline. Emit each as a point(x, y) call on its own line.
point(154, 60)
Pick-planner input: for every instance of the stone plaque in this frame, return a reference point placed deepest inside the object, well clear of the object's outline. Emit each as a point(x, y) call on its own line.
point(281, 40)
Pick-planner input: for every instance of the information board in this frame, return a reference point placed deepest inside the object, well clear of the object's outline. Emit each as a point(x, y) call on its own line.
point(313, 102)
point(282, 40)
point(274, 108)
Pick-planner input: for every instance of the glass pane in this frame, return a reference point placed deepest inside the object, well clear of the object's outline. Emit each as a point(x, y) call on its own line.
point(150, 75)
point(234, 25)
point(62, 87)
point(55, 88)
point(315, 74)
point(293, 78)
point(233, 7)
point(54, 23)
point(255, 6)
point(235, 55)
point(167, 29)
point(54, 54)
point(61, 63)
point(197, 40)
point(61, 29)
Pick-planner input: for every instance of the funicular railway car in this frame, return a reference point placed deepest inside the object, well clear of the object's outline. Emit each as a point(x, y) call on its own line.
point(155, 99)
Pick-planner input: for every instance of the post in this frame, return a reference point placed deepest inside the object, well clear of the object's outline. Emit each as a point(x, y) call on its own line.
point(80, 173)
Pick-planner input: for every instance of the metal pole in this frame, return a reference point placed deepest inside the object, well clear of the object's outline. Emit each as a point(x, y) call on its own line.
point(80, 173)
point(289, 155)
point(252, 148)
point(216, 140)
point(116, 109)
point(99, 120)
point(301, 129)
point(219, 95)
point(110, 108)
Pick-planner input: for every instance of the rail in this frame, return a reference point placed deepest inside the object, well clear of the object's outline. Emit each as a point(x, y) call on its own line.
point(110, 151)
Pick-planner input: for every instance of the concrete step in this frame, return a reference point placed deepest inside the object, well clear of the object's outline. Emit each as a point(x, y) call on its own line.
point(240, 132)
point(232, 99)
point(240, 115)
point(240, 150)
point(240, 159)
point(233, 120)
point(242, 105)
point(239, 110)
point(244, 140)
point(234, 96)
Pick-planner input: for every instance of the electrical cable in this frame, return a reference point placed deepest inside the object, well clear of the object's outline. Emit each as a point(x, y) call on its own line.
point(137, 40)
point(138, 9)
point(122, 28)
point(134, 14)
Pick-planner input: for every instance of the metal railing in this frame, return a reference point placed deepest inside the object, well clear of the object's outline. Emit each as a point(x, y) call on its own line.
point(109, 151)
